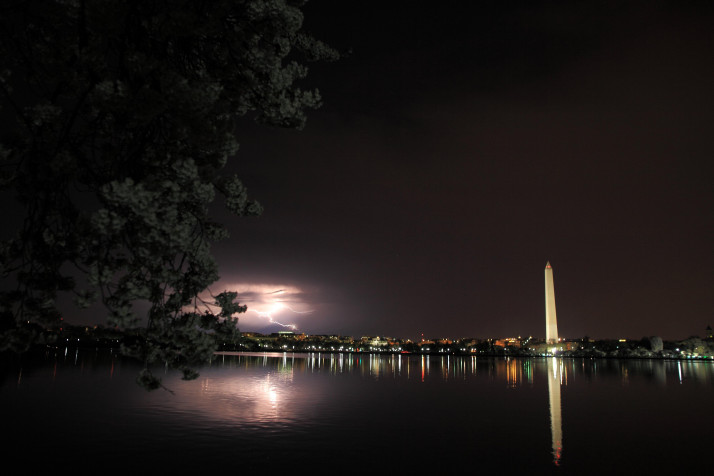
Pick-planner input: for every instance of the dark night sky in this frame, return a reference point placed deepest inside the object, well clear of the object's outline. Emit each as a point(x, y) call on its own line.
point(460, 147)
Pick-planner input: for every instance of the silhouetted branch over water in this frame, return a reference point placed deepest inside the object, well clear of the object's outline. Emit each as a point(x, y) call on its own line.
point(119, 118)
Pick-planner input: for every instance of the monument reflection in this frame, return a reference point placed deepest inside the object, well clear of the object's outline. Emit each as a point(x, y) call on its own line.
point(555, 379)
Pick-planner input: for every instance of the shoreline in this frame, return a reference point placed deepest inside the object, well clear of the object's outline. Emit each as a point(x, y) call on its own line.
point(307, 352)
point(276, 353)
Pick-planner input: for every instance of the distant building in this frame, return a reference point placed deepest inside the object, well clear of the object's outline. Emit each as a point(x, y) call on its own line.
point(508, 342)
point(375, 341)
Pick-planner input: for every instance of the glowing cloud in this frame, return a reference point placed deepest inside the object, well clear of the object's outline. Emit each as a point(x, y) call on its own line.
point(273, 303)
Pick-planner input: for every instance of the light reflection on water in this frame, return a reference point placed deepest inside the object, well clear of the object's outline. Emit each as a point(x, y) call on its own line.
point(555, 380)
point(514, 372)
point(534, 413)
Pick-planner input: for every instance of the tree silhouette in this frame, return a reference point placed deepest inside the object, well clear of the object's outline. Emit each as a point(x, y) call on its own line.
point(119, 117)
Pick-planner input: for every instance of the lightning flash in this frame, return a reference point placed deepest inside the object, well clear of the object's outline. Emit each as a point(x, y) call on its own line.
point(276, 307)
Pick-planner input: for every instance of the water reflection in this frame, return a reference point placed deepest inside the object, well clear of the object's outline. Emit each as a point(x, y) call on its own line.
point(514, 372)
point(555, 380)
point(266, 408)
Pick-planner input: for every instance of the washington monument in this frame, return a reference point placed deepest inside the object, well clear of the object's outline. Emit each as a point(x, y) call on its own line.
point(551, 324)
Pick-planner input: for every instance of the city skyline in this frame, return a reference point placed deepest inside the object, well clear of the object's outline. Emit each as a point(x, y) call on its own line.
point(280, 298)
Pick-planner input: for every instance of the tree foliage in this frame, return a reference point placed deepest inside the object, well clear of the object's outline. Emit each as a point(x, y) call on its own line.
point(119, 117)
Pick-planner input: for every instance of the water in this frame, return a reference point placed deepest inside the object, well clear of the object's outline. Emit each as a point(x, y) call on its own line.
point(360, 414)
